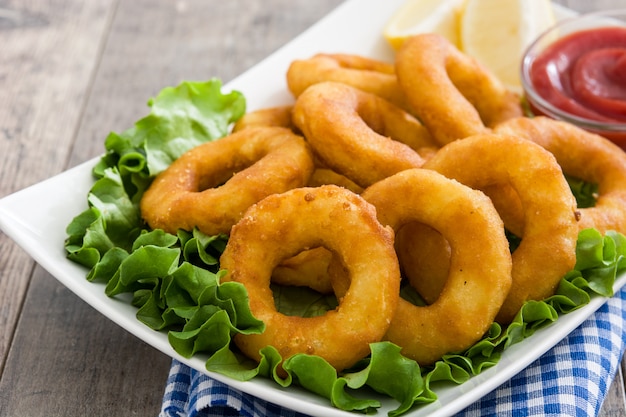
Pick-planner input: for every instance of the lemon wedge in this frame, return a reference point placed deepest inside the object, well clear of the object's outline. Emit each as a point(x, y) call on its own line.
point(424, 16)
point(496, 33)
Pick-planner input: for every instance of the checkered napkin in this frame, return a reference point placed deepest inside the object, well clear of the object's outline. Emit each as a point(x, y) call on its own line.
point(571, 379)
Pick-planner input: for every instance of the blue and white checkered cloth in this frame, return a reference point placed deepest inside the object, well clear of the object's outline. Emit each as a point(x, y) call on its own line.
point(571, 379)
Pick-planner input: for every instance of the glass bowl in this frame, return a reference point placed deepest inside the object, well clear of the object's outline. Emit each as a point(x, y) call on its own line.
point(565, 87)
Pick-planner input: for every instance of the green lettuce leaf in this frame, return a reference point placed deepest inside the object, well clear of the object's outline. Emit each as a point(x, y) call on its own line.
point(586, 193)
point(302, 301)
point(180, 118)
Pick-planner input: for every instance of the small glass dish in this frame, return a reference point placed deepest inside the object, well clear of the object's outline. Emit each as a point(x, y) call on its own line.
point(541, 103)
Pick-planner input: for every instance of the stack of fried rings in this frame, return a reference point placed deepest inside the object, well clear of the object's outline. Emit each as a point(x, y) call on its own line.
point(300, 233)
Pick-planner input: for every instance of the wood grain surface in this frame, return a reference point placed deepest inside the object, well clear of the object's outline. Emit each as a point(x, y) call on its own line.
point(71, 71)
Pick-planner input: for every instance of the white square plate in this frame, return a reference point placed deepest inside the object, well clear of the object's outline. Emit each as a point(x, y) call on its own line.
point(36, 218)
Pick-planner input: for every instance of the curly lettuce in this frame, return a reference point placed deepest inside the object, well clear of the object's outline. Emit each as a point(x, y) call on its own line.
point(175, 279)
point(180, 118)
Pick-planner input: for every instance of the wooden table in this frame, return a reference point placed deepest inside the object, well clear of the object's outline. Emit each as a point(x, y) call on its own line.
point(70, 72)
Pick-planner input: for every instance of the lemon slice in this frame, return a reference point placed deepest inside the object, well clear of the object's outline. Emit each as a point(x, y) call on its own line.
point(424, 16)
point(496, 33)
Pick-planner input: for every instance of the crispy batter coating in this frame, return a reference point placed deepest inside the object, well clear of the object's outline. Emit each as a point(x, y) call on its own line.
point(548, 247)
point(358, 134)
point(323, 176)
point(370, 75)
point(424, 256)
point(309, 268)
point(279, 227)
point(451, 93)
point(279, 116)
point(480, 263)
point(585, 156)
point(212, 185)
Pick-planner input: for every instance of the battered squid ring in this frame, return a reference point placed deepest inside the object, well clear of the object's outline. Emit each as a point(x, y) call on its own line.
point(213, 184)
point(279, 116)
point(548, 247)
point(345, 224)
point(424, 254)
point(370, 75)
point(586, 156)
point(309, 268)
point(357, 134)
point(451, 93)
point(325, 176)
point(424, 257)
point(480, 262)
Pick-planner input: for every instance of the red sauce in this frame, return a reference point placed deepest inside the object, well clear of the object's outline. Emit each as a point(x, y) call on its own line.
point(584, 74)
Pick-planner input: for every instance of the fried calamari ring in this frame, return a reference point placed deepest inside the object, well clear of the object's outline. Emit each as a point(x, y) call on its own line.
point(213, 184)
point(357, 134)
point(451, 93)
point(424, 254)
point(324, 176)
point(424, 257)
point(309, 268)
point(548, 247)
point(345, 224)
point(366, 74)
point(279, 116)
point(585, 156)
point(480, 261)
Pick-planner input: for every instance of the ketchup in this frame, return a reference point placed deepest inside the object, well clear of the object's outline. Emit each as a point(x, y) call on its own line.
point(584, 74)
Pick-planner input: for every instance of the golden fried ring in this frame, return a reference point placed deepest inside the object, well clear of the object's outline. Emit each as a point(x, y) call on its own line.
point(449, 92)
point(424, 254)
point(309, 268)
point(424, 257)
point(480, 261)
point(345, 224)
point(357, 134)
point(324, 176)
point(213, 184)
point(586, 156)
point(548, 247)
point(370, 75)
point(279, 116)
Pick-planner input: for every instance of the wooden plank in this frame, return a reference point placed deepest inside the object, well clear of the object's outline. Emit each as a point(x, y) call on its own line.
point(69, 360)
point(48, 54)
point(176, 41)
point(85, 365)
point(615, 402)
